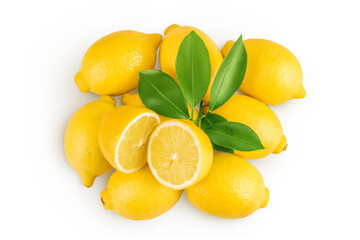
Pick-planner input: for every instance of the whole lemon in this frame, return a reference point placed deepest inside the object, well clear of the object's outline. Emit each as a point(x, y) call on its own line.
point(81, 140)
point(138, 195)
point(169, 48)
point(111, 65)
point(273, 73)
point(260, 118)
point(233, 188)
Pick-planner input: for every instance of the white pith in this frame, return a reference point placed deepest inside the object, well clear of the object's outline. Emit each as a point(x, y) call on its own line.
point(154, 134)
point(122, 137)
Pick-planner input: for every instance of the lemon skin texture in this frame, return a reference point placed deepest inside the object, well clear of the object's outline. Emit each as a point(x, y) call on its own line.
point(111, 65)
point(273, 75)
point(138, 196)
point(169, 48)
point(232, 189)
point(81, 140)
point(133, 99)
point(260, 118)
point(111, 128)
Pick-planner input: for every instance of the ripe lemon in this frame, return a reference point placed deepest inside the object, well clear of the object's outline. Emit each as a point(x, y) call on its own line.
point(138, 195)
point(111, 65)
point(232, 189)
point(81, 140)
point(169, 48)
point(179, 154)
point(123, 136)
point(273, 73)
point(133, 99)
point(260, 118)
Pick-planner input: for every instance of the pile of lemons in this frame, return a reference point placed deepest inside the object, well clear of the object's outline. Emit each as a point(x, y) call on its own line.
point(157, 157)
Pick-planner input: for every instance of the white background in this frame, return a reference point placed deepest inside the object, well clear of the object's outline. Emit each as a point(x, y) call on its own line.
point(314, 185)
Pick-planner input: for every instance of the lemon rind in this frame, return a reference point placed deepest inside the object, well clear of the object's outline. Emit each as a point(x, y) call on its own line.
point(153, 135)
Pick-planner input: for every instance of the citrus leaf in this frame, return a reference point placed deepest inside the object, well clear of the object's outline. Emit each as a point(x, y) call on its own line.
point(208, 122)
point(211, 119)
point(193, 69)
point(229, 76)
point(159, 92)
point(235, 136)
point(221, 149)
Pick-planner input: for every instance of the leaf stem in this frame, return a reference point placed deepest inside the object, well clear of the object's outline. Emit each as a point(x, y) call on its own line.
point(192, 113)
point(201, 116)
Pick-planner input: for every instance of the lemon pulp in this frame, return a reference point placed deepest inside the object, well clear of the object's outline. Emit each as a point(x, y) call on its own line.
point(130, 151)
point(174, 154)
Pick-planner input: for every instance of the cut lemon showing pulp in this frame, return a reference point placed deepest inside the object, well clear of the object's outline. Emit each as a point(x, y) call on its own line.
point(179, 154)
point(123, 136)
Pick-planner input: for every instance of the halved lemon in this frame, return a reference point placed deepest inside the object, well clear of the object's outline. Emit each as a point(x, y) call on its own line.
point(123, 136)
point(179, 154)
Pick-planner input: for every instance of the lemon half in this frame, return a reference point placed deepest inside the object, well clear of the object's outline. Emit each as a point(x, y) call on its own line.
point(179, 154)
point(123, 136)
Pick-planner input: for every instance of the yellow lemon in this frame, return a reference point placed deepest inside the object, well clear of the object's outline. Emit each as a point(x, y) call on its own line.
point(123, 136)
point(111, 65)
point(273, 73)
point(133, 99)
point(81, 140)
point(179, 154)
point(233, 188)
point(260, 118)
point(138, 195)
point(169, 48)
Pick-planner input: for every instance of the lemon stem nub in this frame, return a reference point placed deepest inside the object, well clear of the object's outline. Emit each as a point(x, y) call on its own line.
point(285, 147)
point(170, 28)
point(301, 93)
point(105, 199)
point(282, 145)
point(157, 38)
point(81, 82)
point(266, 198)
point(108, 99)
point(87, 180)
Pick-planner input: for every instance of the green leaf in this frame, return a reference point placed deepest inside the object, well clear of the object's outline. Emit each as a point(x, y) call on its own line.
point(193, 69)
point(235, 136)
point(229, 76)
point(221, 149)
point(159, 92)
point(208, 122)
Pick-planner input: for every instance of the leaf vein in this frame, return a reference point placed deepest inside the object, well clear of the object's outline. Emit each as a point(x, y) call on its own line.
point(165, 97)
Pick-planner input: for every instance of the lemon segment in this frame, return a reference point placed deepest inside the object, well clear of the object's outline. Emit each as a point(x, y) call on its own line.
point(123, 136)
point(179, 154)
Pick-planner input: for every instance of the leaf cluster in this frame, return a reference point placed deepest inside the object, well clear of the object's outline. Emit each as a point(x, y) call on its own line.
point(161, 93)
